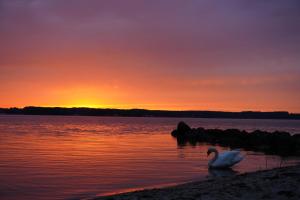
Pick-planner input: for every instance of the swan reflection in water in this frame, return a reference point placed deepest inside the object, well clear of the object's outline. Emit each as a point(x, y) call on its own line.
point(221, 172)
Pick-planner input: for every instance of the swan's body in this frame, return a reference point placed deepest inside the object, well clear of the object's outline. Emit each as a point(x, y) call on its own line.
point(224, 160)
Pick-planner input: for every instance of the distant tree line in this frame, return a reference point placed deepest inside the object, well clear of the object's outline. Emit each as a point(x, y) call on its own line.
point(31, 110)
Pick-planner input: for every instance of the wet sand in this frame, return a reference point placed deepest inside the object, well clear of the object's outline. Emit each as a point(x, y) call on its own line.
point(279, 183)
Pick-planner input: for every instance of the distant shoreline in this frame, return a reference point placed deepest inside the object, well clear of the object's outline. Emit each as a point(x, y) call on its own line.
point(31, 110)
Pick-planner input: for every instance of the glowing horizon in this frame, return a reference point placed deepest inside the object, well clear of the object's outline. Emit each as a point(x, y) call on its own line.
point(143, 107)
point(171, 55)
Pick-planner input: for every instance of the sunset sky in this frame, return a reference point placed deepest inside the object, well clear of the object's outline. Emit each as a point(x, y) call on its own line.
point(157, 54)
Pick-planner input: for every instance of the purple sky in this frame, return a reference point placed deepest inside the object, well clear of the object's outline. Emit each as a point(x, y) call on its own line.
point(166, 54)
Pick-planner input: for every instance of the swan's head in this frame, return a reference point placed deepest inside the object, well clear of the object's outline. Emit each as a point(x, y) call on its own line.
point(210, 150)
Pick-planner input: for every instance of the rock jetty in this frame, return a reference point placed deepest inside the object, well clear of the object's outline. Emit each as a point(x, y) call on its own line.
point(277, 142)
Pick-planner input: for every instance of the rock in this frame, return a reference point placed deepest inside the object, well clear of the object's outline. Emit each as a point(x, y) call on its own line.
point(278, 142)
point(174, 133)
point(296, 137)
point(183, 128)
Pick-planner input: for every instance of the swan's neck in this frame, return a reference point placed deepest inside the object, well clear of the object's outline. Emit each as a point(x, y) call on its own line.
point(214, 158)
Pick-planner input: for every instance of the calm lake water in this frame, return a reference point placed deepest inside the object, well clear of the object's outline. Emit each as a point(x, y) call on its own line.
point(75, 157)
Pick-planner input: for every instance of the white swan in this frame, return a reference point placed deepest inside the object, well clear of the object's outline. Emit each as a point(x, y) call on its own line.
point(224, 160)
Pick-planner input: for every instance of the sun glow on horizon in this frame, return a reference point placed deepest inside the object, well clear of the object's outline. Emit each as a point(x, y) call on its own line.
point(102, 54)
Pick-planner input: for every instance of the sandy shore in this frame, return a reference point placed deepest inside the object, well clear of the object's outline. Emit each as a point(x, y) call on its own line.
point(280, 183)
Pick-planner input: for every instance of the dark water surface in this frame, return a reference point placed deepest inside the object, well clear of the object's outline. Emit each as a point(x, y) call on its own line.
point(75, 157)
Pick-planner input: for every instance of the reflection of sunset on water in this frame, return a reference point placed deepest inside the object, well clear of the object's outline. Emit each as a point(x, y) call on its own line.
point(73, 156)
